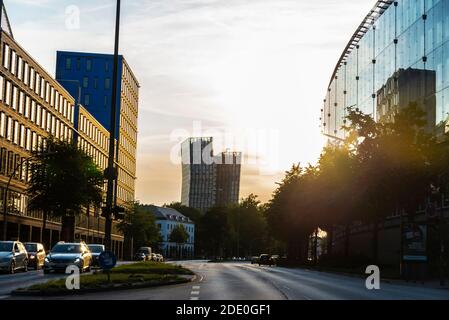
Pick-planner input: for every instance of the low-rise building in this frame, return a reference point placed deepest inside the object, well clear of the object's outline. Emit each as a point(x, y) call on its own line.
point(167, 219)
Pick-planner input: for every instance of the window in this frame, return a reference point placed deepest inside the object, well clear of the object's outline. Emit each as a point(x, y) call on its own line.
point(8, 93)
point(107, 83)
point(85, 82)
point(2, 81)
point(22, 136)
point(88, 65)
point(16, 132)
point(6, 54)
point(9, 129)
point(27, 106)
point(68, 63)
point(95, 83)
point(105, 101)
point(28, 139)
point(86, 100)
point(78, 63)
point(106, 66)
point(13, 62)
point(2, 124)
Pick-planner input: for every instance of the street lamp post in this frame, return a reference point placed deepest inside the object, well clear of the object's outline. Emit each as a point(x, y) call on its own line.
point(111, 171)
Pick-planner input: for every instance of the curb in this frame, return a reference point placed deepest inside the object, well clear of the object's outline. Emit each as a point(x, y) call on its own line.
point(384, 280)
point(38, 293)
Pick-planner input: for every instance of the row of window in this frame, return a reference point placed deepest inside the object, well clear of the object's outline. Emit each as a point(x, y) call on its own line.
point(36, 82)
point(24, 137)
point(126, 162)
point(87, 67)
point(107, 83)
point(125, 178)
point(89, 129)
point(124, 194)
point(130, 86)
point(31, 110)
point(127, 127)
point(99, 158)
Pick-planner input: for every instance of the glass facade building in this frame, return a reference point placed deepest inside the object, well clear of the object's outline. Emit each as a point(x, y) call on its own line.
point(209, 180)
point(399, 54)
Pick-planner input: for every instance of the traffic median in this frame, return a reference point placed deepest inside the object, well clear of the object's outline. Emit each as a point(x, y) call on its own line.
point(132, 276)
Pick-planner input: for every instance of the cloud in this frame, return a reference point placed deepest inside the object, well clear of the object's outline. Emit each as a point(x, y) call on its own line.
point(237, 64)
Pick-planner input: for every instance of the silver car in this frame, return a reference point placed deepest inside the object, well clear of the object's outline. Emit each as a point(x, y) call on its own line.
point(66, 254)
point(13, 256)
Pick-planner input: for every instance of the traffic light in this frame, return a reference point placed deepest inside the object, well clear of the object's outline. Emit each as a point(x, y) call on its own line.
point(119, 213)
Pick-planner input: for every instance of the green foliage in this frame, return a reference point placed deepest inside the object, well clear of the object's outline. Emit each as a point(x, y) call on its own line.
point(63, 180)
point(140, 224)
point(179, 234)
point(381, 168)
point(236, 230)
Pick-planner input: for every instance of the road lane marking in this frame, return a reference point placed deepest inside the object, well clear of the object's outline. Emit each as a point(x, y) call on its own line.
point(196, 287)
point(194, 298)
point(195, 293)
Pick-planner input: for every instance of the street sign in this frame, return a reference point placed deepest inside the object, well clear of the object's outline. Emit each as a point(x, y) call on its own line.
point(414, 242)
point(107, 260)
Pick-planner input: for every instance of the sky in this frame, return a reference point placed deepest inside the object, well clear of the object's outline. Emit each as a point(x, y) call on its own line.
point(250, 73)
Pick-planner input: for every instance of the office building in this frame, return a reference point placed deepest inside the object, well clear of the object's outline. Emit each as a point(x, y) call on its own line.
point(404, 41)
point(208, 180)
point(228, 178)
point(199, 174)
point(398, 55)
point(167, 219)
point(89, 76)
point(33, 106)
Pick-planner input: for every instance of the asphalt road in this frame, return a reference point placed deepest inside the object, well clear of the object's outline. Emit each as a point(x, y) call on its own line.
point(243, 281)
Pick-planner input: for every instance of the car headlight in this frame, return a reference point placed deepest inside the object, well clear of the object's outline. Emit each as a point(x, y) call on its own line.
point(47, 259)
point(32, 257)
point(78, 260)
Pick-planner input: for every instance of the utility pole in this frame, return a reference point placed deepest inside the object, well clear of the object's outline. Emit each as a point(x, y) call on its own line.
point(111, 171)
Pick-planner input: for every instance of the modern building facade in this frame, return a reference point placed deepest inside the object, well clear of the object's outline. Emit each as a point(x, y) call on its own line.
point(402, 41)
point(399, 55)
point(33, 106)
point(228, 178)
point(209, 180)
point(167, 219)
point(89, 76)
point(199, 173)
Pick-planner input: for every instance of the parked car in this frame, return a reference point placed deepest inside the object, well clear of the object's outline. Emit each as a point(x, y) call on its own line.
point(265, 259)
point(254, 260)
point(143, 254)
point(275, 259)
point(13, 256)
point(65, 254)
point(96, 250)
point(36, 254)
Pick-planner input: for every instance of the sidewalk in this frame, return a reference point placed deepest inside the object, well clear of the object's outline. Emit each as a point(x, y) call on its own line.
point(431, 284)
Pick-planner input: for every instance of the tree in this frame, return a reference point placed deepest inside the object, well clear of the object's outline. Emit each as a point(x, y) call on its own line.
point(289, 213)
point(214, 232)
point(63, 180)
point(179, 235)
point(140, 226)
